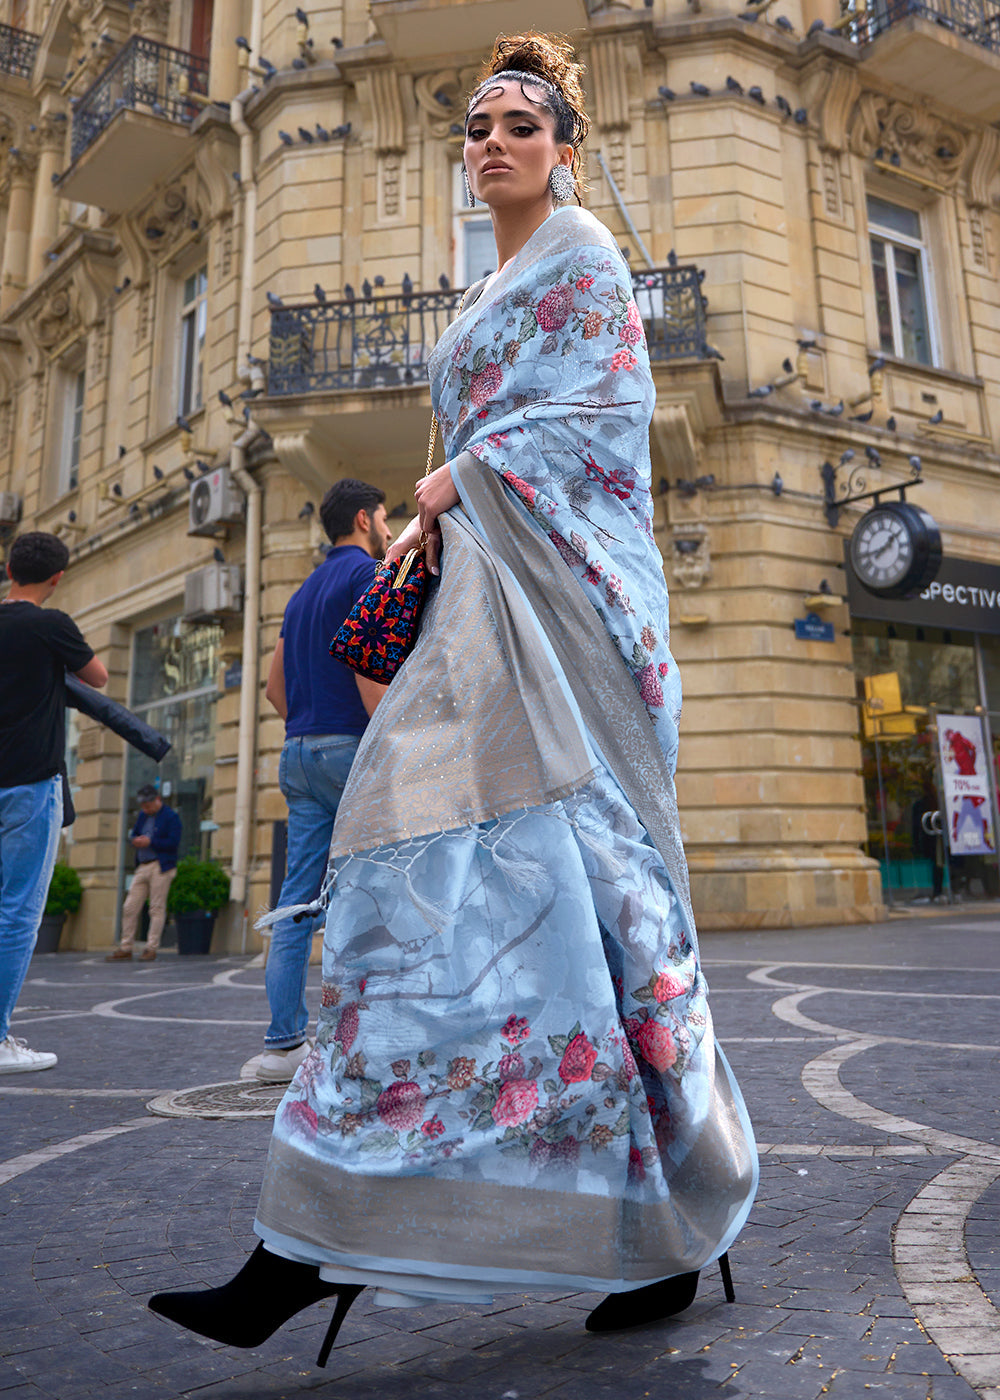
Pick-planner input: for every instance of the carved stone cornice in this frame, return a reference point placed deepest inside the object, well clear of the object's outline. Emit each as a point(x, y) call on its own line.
point(90, 21)
point(983, 168)
point(58, 319)
point(610, 71)
point(70, 296)
point(11, 360)
point(50, 132)
point(216, 153)
point(690, 554)
point(171, 218)
point(832, 93)
point(151, 18)
point(18, 168)
point(441, 100)
point(910, 136)
point(380, 92)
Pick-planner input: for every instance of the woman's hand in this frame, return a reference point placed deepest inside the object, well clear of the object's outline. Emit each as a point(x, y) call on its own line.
point(401, 546)
point(434, 494)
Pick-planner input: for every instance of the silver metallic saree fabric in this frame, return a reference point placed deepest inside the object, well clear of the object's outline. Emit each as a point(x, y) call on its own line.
point(497, 718)
point(515, 1082)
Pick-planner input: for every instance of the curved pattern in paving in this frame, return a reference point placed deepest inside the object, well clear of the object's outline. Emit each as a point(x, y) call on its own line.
point(855, 1273)
point(929, 1252)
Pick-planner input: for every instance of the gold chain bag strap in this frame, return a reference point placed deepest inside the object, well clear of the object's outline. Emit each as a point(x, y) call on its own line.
point(408, 560)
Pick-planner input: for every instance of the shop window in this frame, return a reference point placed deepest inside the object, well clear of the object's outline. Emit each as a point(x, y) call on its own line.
point(913, 674)
point(174, 688)
point(900, 269)
point(193, 325)
point(475, 246)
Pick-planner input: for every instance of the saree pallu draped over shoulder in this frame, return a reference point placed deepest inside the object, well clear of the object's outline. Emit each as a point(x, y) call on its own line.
point(515, 1081)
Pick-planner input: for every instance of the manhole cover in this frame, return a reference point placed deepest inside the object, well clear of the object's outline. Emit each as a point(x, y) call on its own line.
point(244, 1099)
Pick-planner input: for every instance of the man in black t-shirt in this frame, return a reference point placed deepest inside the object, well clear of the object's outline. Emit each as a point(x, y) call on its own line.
point(37, 647)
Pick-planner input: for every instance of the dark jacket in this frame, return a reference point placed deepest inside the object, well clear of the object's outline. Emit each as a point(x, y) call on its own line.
point(132, 729)
point(166, 837)
point(115, 717)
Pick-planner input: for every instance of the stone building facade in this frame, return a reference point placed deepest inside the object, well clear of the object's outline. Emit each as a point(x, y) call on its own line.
point(828, 182)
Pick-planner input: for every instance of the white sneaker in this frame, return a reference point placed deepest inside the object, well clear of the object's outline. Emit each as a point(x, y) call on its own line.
point(279, 1066)
point(16, 1058)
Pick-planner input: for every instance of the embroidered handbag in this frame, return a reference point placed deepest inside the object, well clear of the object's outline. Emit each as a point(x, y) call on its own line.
point(380, 631)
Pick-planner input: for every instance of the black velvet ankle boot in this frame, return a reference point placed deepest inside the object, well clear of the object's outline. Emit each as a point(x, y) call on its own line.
point(266, 1292)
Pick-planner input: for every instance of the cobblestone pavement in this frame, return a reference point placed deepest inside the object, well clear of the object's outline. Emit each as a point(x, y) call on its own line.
point(870, 1265)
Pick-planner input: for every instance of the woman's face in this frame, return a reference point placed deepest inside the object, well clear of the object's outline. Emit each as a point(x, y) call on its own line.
point(510, 145)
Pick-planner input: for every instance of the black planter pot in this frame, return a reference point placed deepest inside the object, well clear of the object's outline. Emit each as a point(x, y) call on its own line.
point(49, 932)
point(194, 932)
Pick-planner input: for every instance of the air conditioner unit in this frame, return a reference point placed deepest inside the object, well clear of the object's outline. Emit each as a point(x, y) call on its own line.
point(10, 508)
point(212, 591)
point(214, 499)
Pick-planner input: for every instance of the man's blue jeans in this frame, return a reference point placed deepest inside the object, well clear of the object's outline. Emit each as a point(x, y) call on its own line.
point(312, 774)
point(30, 821)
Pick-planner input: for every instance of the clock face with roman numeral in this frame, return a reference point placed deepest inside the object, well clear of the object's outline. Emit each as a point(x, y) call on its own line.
point(895, 550)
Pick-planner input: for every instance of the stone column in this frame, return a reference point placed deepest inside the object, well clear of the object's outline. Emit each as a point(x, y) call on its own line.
point(19, 177)
point(224, 79)
point(51, 142)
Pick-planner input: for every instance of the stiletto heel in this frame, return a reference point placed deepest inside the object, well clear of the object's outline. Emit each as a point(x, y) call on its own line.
point(346, 1294)
point(727, 1278)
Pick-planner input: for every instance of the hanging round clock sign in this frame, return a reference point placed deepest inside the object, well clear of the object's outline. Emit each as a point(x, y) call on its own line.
point(896, 549)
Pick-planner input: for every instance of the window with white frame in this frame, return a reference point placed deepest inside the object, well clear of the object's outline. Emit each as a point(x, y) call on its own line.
point(475, 246)
point(902, 283)
point(194, 320)
point(74, 388)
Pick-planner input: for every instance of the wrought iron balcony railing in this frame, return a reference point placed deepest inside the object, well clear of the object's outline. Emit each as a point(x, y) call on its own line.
point(976, 20)
point(385, 341)
point(17, 51)
point(144, 75)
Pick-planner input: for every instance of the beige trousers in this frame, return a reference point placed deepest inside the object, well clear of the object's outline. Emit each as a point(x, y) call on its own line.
point(152, 883)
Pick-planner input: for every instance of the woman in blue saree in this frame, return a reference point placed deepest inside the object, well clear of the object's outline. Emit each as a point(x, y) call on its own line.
point(515, 1083)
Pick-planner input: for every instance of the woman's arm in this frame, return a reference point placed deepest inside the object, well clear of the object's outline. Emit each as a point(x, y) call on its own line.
point(434, 494)
point(404, 542)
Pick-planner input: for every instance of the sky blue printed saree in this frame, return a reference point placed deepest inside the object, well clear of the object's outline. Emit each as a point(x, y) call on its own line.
point(515, 1082)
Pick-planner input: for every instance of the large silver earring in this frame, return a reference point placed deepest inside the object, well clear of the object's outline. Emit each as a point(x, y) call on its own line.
point(470, 198)
point(562, 184)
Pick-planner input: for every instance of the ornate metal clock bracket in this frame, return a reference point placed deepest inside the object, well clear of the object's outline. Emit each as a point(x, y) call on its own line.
point(844, 493)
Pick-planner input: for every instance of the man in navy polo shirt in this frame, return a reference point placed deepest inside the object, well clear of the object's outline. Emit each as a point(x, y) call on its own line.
point(326, 707)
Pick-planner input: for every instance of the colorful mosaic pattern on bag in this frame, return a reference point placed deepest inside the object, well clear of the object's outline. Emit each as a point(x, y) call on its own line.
point(381, 629)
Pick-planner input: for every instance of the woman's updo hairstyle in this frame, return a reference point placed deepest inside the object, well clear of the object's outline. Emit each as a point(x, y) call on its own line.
point(548, 64)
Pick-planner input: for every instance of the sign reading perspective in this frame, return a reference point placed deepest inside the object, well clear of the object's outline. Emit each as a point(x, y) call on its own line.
point(965, 596)
point(966, 785)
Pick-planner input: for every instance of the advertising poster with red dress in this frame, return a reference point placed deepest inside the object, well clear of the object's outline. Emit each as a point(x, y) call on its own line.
point(966, 785)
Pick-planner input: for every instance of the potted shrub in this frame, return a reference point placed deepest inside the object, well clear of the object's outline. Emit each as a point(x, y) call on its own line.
point(65, 894)
point(197, 893)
